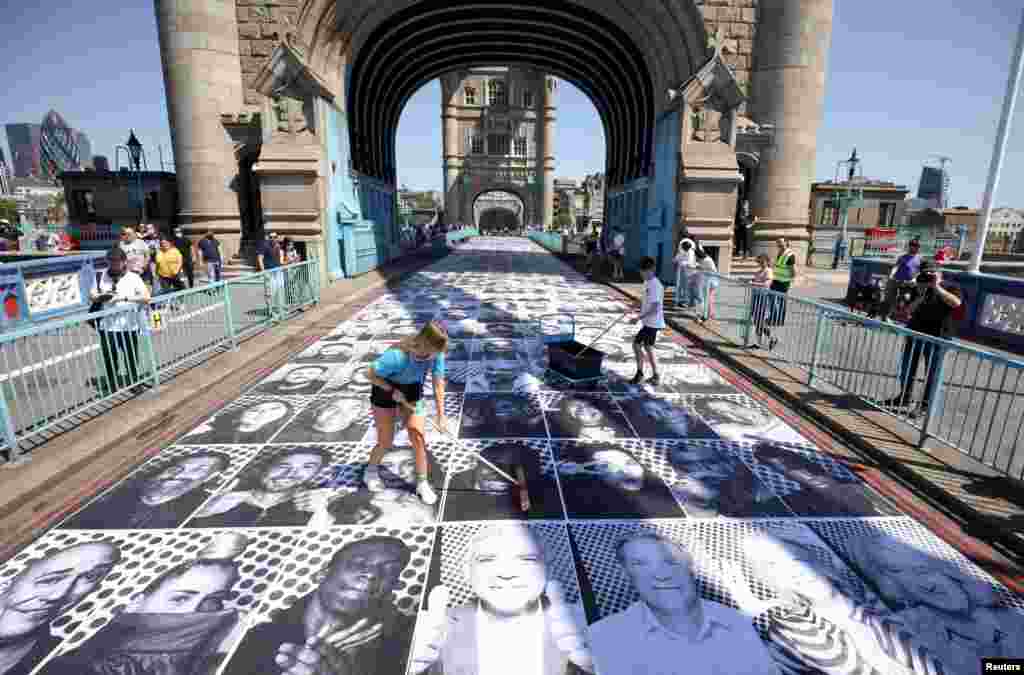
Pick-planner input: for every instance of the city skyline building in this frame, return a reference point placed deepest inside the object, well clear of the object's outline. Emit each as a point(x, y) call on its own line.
point(934, 185)
point(23, 142)
point(58, 146)
point(85, 160)
point(5, 175)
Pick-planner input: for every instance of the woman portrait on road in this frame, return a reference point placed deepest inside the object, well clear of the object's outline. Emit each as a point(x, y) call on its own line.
point(397, 377)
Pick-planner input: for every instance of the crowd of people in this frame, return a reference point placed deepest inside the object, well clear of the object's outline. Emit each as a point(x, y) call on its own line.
point(146, 264)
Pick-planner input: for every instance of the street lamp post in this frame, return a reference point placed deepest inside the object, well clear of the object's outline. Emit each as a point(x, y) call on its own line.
point(851, 195)
point(137, 163)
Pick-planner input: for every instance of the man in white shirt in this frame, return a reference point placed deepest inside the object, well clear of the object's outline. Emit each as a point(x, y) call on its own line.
point(652, 314)
point(519, 622)
point(119, 333)
point(137, 252)
point(671, 630)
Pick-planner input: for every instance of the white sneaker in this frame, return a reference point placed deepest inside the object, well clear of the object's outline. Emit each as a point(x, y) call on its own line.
point(426, 492)
point(372, 480)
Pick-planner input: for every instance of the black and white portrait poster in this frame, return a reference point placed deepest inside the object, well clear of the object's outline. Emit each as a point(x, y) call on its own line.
point(339, 349)
point(502, 416)
point(605, 480)
point(813, 484)
point(585, 416)
point(298, 379)
point(269, 491)
point(739, 419)
point(485, 574)
point(477, 491)
point(165, 491)
point(663, 417)
point(708, 479)
point(346, 604)
point(329, 419)
point(247, 420)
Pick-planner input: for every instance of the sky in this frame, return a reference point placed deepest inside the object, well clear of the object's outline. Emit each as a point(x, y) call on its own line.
point(906, 80)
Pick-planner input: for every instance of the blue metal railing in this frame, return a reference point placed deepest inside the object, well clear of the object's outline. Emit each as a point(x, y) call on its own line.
point(54, 373)
point(966, 397)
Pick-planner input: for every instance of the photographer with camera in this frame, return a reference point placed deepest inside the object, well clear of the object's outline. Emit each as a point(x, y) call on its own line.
point(932, 314)
point(903, 274)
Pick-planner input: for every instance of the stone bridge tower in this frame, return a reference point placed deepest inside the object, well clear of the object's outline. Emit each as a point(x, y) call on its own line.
point(498, 134)
point(260, 118)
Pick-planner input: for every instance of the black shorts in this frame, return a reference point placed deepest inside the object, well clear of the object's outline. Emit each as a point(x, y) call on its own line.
point(646, 336)
point(382, 399)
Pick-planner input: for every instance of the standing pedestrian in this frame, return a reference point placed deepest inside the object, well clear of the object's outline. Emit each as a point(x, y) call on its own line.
point(744, 231)
point(397, 377)
point(137, 253)
point(268, 258)
point(686, 267)
point(618, 253)
point(761, 300)
point(708, 285)
point(209, 249)
point(169, 266)
point(783, 274)
point(903, 273)
point(119, 334)
point(931, 314)
point(652, 315)
point(184, 246)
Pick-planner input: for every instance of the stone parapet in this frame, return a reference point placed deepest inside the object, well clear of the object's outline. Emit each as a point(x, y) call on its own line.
point(737, 20)
point(261, 25)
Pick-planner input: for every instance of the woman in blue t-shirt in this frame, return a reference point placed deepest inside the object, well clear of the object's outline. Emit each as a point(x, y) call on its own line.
point(397, 377)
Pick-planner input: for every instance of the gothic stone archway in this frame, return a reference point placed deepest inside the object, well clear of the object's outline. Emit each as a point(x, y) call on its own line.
point(329, 79)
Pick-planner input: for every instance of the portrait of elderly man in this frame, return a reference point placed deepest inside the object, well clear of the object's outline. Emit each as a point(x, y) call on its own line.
point(252, 421)
point(654, 417)
point(670, 629)
point(329, 420)
point(519, 377)
point(480, 493)
point(348, 625)
point(177, 625)
point(304, 379)
point(40, 593)
point(161, 497)
point(589, 417)
point(502, 416)
point(820, 618)
point(713, 483)
point(958, 617)
point(821, 492)
point(601, 480)
point(353, 382)
point(265, 492)
point(519, 621)
point(741, 422)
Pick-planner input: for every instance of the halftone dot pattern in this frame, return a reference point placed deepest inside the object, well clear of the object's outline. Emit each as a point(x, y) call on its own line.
point(352, 380)
point(747, 402)
point(839, 534)
point(296, 403)
point(238, 456)
point(311, 550)
point(552, 535)
point(716, 546)
point(74, 623)
point(776, 482)
point(349, 399)
point(337, 453)
point(359, 330)
point(257, 568)
point(463, 456)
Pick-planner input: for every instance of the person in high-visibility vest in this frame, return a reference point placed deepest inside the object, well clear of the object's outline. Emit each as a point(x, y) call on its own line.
point(783, 274)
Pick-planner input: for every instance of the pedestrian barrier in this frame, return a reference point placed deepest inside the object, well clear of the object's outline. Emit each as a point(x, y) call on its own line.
point(968, 398)
point(552, 241)
point(54, 375)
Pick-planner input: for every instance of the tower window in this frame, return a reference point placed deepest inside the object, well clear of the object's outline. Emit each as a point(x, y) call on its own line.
point(496, 93)
point(498, 144)
point(469, 96)
point(520, 146)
